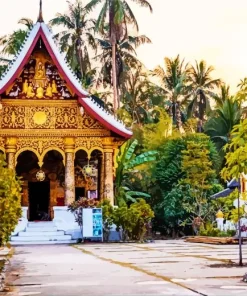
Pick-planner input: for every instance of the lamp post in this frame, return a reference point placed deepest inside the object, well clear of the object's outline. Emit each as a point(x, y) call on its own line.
point(239, 224)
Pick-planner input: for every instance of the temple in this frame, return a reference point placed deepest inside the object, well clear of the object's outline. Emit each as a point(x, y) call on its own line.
point(57, 137)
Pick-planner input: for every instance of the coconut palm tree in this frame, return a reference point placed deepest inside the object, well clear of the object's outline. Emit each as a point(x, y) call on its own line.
point(173, 80)
point(12, 43)
point(118, 14)
point(202, 89)
point(77, 37)
point(125, 56)
point(140, 95)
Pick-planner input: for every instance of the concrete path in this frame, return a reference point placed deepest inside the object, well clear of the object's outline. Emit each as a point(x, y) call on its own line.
point(162, 268)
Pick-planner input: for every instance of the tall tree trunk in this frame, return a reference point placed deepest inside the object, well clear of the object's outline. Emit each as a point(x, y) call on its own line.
point(79, 57)
point(114, 78)
point(178, 118)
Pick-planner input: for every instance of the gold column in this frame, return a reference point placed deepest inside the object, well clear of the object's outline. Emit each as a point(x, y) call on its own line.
point(69, 144)
point(10, 152)
point(108, 169)
point(102, 177)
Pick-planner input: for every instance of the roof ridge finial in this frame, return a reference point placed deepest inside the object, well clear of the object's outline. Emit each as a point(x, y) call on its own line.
point(40, 18)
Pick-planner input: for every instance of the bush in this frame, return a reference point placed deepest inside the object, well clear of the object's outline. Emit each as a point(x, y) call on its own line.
point(10, 201)
point(133, 220)
point(108, 217)
point(209, 230)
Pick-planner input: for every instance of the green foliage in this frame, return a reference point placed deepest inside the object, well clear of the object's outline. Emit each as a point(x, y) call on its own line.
point(236, 157)
point(108, 217)
point(154, 134)
point(201, 84)
point(197, 167)
point(133, 220)
point(209, 230)
point(221, 122)
point(10, 201)
point(129, 165)
point(174, 200)
point(130, 221)
point(227, 207)
point(77, 39)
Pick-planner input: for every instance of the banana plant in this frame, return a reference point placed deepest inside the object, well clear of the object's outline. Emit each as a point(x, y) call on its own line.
point(128, 165)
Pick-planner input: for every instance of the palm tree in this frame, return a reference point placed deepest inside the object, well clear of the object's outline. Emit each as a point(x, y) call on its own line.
point(140, 95)
point(125, 56)
point(118, 15)
point(223, 96)
point(12, 43)
point(202, 89)
point(221, 122)
point(173, 80)
point(76, 37)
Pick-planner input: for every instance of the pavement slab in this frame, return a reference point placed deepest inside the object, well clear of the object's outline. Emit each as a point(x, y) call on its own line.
point(160, 268)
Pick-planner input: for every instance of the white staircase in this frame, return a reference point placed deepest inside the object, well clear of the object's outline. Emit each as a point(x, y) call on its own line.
point(41, 233)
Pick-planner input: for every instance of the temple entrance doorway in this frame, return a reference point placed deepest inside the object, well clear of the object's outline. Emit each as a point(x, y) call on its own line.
point(39, 200)
point(43, 187)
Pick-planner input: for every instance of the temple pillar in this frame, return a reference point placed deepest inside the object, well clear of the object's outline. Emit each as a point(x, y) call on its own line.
point(69, 145)
point(10, 152)
point(108, 170)
point(101, 177)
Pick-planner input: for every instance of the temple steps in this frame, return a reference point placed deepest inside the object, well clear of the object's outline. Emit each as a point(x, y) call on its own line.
point(41, 233)
point(40, 224)
point(41, 229)
point(44, 233)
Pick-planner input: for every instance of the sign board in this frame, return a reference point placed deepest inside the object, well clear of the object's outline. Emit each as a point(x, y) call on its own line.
point(92, 223)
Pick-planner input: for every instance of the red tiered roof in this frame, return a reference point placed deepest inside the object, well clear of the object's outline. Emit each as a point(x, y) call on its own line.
point(40, 30)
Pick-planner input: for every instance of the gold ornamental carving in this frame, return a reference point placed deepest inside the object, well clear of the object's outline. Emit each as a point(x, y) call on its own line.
point(40, 117)
point(2, 144)
point(66, 117)
point(88, 144)
point(13, 117)
point(108, 171)
point(86, 121)
point(55, 115)
point(40, 144)
point(39, 80)
point(69, 178)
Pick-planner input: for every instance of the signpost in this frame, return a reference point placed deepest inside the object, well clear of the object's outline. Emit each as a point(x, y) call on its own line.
point(92, 223)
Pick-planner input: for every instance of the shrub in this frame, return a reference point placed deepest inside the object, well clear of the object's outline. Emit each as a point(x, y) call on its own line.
point(10, 201)
point(133, 220)
point(210, 230)
point(108, 217)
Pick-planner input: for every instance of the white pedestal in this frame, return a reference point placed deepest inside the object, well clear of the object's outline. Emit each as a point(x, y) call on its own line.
point(65, 220)
point(220, 224)
point(22, 224)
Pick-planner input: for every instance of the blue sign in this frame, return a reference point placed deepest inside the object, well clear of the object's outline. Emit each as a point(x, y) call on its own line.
point(97, 223)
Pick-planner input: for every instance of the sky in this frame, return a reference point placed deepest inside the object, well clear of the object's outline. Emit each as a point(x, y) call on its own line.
point(213, 30)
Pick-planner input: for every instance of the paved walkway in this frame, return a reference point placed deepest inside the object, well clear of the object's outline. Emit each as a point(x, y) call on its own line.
point(162, 268)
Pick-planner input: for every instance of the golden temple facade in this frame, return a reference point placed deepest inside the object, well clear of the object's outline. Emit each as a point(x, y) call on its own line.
point(58, 139)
